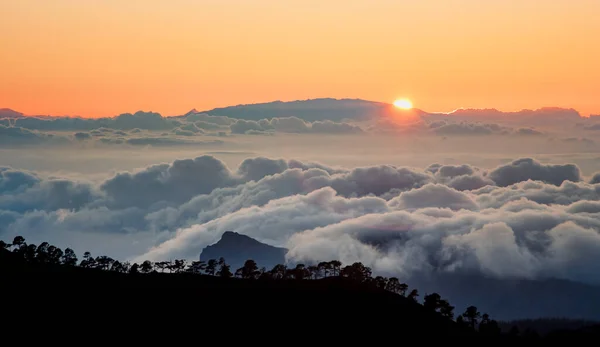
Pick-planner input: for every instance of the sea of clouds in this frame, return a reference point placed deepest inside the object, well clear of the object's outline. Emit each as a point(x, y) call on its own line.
point(522, 217)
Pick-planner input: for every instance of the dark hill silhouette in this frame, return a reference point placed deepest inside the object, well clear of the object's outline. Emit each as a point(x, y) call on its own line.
point(81, 298)
point(237, 248)
point(47, 291)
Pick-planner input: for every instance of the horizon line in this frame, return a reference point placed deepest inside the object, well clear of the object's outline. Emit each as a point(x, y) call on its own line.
point(308, 100)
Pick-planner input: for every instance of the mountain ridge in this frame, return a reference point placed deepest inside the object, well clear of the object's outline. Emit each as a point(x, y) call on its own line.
point(342, 108)
point(237, 248)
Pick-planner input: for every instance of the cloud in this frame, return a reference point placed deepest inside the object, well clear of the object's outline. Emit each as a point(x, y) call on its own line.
point(82, 136)
point(210, 126)
point(292, 125)
point(524, 169)
point(18, 137)
point(204, 118)
point(546, 116)
point(172, 183)
point(463, 128)
point(327, 116)
point(433, 195)
point(157, 141)
point(528, 132)
point(584, 140)
point(529, 219)
point(592, 127)
point(23, 191)
point(126, 121)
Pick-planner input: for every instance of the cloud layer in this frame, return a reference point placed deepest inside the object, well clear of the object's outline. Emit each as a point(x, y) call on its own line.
point(524, 218)
point(321, 116)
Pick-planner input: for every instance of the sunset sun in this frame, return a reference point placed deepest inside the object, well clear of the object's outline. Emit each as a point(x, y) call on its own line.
point(404, 104)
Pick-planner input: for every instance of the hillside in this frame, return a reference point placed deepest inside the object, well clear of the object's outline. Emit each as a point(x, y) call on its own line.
point(241, 305)
point(49, 291)
point(504, 299)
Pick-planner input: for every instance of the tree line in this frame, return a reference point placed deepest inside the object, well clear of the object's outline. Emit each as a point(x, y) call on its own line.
point(46, 253)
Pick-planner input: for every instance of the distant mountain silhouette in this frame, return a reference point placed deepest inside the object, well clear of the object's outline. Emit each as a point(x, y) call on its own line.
point(359, 109)
point(192, 111)
point(8, 113)
point(238, 248)
point(309, 110)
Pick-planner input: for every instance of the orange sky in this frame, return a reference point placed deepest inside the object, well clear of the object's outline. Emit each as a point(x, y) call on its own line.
point(105, 57)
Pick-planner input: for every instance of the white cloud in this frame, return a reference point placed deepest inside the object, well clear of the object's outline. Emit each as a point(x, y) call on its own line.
point(529, 219)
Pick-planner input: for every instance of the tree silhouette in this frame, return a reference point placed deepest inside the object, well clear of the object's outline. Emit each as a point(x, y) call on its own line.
point(29, 252)
point(264, 274)
point(117, 266)
point(249, 270)
point(224, 269)
point(380, 282)
point(41, 253)
point(403, 287)
point(446, 309)
point(279, 272)
point(197, 267)
point(488, 326)
point(211, 267)
point(146, 267)
point(69, 257)
point(54, 255)
point(88, 261)
point(300, 272)
point(357, 272)
point(393, 285)
point(432, 301)
point(324, 268)
point(135, 268)
point(471, 316)
point(161, 265)
point(413, 295)
point(179, 265)
point(314, 272)
point(335, 266)
point(18, 241)
point(104, 262)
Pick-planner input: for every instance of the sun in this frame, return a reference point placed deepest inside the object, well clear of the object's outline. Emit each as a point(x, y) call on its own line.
point(404, 104)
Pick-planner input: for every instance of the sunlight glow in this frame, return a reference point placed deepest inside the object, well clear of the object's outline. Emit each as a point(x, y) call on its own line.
point(403, 104)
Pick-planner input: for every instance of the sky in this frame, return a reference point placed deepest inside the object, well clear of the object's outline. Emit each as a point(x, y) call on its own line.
point(105, 57)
